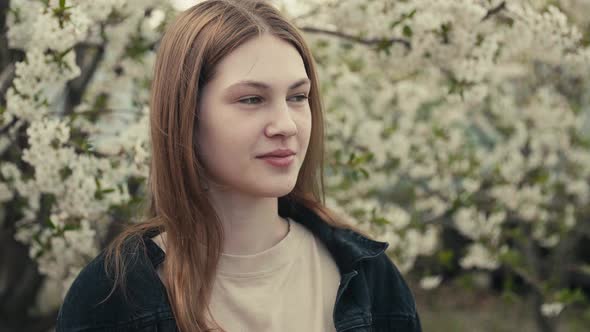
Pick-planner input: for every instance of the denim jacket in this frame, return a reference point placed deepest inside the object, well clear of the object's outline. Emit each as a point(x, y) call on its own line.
point(372, 295)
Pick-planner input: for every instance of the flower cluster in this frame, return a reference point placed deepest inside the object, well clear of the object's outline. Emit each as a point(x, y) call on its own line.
point(467, 115)
point(77, 167)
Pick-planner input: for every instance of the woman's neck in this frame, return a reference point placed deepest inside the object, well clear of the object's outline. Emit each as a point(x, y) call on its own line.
point(247, 230)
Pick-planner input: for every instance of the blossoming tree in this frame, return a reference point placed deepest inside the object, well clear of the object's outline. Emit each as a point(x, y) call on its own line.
point(460, 117)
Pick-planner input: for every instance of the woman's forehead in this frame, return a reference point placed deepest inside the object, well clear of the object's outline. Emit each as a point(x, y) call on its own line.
point(266, 60)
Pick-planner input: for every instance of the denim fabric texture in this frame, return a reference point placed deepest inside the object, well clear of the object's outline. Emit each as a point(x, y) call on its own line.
point(372, 295)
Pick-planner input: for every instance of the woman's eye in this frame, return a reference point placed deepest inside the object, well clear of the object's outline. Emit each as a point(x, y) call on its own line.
point(256, 100)
point(303, 98)
point(245, 100)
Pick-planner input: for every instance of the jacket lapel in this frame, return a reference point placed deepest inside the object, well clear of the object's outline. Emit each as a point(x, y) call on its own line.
point(346, 246)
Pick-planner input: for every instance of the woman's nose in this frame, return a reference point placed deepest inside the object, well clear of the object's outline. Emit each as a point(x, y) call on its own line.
point(282, 122)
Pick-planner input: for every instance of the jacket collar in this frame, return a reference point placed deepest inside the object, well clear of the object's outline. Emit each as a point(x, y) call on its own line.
point(346, 246)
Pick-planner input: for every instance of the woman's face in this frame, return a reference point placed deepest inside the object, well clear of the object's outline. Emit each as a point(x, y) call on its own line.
point(239, 121)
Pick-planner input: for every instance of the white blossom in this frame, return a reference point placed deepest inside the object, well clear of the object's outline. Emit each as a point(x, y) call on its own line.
point(473, 123)
point(552, 309)
point(430, 282)
point(478, 256)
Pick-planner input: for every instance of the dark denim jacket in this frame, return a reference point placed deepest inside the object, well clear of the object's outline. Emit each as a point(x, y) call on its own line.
point(372, 295)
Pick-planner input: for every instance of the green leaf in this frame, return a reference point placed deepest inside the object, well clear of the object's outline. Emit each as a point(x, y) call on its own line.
point(354, 175)
point(351, 158)
point(511, 257)
point(16, 12)
point(98, 193)
point(381, 221)
point(402, 18)
point(65, 172)
point(445, 257)
point(70, 227)
point(106, 191)
point(570, 296)
point(365, 173)
point(407, 31)
point(322, 43)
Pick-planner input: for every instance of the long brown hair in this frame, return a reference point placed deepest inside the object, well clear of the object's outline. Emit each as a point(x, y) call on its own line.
point(187, 56)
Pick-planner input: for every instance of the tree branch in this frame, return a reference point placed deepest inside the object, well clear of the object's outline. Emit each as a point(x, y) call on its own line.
point(531, 281)
point(6, 78)
point(377, 41)
point(367, 42)
point(4, 53)
point(317, 8)
point(77, 86)
point(494, 11)
point(5, 129)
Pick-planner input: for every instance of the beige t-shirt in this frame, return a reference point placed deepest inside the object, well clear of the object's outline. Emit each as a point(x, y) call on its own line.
point(289, 287)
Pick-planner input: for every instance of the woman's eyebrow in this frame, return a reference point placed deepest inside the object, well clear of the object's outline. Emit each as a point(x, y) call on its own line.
point(264, 86)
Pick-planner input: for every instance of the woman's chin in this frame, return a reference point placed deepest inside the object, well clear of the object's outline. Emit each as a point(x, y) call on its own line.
point(275, 190)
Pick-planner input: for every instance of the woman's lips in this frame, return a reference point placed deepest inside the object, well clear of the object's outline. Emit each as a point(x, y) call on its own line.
point(279, 161)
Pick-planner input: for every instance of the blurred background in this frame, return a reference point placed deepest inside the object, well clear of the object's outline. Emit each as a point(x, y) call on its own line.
point(457, 131)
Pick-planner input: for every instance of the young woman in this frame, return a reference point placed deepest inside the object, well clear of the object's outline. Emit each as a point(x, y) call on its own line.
point(238, 237)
